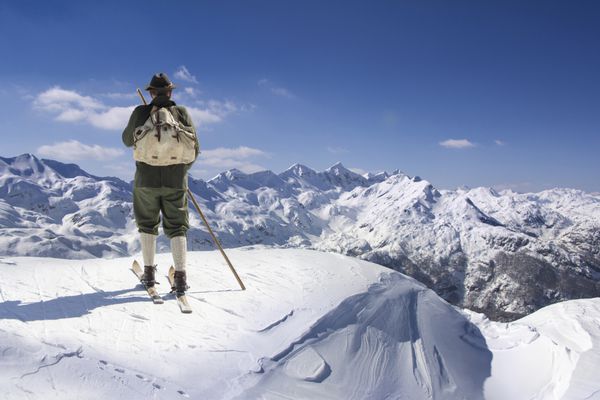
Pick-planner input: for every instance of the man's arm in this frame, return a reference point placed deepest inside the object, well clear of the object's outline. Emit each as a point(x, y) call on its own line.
point(127, 135)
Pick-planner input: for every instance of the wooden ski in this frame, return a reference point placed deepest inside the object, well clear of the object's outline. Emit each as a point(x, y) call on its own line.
point(152, 292)
point(182, 300)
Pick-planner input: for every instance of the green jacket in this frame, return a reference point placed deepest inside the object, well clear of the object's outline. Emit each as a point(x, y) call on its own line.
point(171, 176)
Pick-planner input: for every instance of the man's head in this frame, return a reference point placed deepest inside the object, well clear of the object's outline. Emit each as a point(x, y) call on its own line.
point(160, 85)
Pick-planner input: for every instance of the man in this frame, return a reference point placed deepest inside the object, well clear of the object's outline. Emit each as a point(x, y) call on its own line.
point(165, 147)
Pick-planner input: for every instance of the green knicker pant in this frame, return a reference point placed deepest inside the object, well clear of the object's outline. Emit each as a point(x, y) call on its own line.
point(149, 203)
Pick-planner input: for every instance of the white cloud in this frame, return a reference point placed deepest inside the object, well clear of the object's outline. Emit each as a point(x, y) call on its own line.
point(70, 106)
point(211, 111)
point(73, 150)
point(499, 142)
point(457, 144)
point(58, 99)
point(192, 92)
point(113, 118)
point(276, 90)
point(223, 158)
point(72, 115)
point(203, 116)
point(222, 107)
point(185, 75)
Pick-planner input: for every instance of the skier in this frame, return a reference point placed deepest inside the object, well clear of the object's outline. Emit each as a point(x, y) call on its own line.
point(165, 146)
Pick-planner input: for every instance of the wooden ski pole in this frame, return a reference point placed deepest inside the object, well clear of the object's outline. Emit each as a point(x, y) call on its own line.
point(191, 196)
point(142, 96)
point(237, 277)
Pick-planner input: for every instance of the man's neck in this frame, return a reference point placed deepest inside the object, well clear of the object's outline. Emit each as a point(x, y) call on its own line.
point(162, 101)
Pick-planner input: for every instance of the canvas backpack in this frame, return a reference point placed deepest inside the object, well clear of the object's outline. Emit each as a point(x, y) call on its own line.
point(163, 140)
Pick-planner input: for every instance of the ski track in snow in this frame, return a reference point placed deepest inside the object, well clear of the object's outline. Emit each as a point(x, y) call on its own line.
point(152, 332)
point(58, 358)
point(310, 325)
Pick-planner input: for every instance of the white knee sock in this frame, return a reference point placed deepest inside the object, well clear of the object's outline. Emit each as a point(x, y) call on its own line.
point(179, 250)
point(148, 247)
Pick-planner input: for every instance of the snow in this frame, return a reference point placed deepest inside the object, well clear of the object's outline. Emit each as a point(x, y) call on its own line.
point(310, 325)
point(502, 253)
point(559, 342)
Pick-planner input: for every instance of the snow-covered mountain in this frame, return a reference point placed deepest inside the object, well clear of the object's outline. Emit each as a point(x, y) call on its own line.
point(502, 253)
point(311, 325)
point(48, 208)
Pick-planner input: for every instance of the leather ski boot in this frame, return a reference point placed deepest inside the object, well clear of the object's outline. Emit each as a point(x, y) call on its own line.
point(180, 279)
point(149, 278)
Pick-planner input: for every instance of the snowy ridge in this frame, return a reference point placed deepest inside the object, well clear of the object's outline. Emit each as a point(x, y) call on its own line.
point(558, 342)
point(310, 325)
point(502, 253)
point(387, 328)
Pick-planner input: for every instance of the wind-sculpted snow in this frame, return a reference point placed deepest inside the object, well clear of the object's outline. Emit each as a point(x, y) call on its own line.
point(396, 340)
point(550, 354)
point(502, 253)
point(310, 325)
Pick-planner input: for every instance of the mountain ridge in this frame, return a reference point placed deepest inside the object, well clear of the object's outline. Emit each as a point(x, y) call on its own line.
point(502, 253)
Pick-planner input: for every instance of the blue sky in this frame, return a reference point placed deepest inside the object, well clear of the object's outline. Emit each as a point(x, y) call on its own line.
point(495, 93)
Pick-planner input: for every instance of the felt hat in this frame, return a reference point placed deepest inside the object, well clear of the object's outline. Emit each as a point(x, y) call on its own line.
point(160, 81)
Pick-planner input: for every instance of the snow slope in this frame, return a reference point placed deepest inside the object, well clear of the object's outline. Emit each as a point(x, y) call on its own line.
point(310, 325)
point(553, 353)
point(505, 254)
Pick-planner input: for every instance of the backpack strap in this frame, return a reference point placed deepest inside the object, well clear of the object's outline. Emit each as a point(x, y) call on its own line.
point(157, 125)
point(176, 113)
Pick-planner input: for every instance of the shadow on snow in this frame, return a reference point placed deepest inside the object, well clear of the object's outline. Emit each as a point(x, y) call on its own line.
point(67, 306)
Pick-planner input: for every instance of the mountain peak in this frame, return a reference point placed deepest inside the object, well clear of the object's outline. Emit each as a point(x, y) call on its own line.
point(234, 173)
point(378, 177)
point(299, 170)
point(339, 169)
point(230, 174)
point(340, 176)
point(25, 164)
point(28, 165)
point(25, 157)
point(338, 166)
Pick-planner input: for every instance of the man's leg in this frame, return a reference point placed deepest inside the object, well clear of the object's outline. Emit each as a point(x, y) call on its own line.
point(179, 250)
point(146, 208)
point(148, 247)
point(174, 207)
